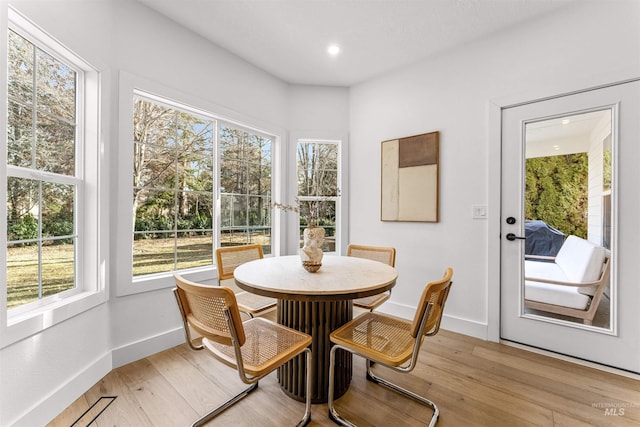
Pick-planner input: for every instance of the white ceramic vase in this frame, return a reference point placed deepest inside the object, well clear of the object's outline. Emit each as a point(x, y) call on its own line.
point(311, 253)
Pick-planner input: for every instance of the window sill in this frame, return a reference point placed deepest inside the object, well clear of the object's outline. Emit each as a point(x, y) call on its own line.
point(165, 280)
point(25, 325)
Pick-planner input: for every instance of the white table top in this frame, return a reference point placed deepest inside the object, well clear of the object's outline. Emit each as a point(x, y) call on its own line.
point(339, 278)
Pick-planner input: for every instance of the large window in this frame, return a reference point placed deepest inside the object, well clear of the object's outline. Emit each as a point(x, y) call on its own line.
point(43, 179)
point(319, 187)
point(174, 186)
point(50, 182)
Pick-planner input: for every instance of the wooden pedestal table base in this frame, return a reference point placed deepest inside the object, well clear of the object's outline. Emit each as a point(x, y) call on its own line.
point(317, 319)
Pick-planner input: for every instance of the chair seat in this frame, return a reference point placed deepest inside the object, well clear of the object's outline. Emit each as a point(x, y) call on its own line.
point(254, 304)
point(378, 337)
point(372, 301)
point(267, 345)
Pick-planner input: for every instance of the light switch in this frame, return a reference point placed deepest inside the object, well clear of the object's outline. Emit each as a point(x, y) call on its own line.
point(479, 211)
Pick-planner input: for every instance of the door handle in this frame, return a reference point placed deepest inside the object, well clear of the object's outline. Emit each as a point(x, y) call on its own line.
point(513, 237)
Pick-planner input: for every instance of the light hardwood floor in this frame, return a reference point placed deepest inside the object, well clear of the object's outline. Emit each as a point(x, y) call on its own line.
point(475, 383)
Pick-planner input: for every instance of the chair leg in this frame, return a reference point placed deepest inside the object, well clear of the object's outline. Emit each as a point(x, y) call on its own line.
point(216, 411)
point(307, 411)
point(423, 400)
point(333, 414)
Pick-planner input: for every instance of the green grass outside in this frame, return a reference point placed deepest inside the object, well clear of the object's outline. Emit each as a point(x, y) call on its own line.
point(149, 256)
point(22, 272)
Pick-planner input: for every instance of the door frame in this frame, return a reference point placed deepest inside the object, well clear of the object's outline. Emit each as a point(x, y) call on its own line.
point(494, 113)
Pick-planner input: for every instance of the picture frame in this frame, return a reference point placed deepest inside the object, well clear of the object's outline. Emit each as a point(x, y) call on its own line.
point(410, 178)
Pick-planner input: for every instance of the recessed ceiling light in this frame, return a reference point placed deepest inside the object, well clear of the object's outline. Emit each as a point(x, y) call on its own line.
point(566, 121)
point(333, 49)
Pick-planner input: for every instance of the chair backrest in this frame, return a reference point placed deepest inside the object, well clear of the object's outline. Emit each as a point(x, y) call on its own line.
point(435, 293)
point(375, 253)
point(202, 307)
point(230, 257)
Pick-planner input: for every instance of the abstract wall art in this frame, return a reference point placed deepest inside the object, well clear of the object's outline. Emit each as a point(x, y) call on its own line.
point(410, 178)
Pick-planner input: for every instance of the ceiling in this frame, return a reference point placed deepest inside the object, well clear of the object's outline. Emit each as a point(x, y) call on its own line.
point(289, 38)
point(567, 134)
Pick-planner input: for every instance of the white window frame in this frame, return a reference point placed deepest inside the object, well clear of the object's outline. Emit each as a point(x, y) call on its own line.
point(342, 205)
point(130, 84)
point(91, 225)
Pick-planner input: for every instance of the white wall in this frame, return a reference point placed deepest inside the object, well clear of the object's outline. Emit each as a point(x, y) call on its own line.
point(586, 44)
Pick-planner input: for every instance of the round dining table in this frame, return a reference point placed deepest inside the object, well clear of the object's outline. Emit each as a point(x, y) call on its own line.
point(315, 303)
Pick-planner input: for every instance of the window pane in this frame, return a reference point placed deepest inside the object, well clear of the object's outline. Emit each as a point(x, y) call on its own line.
point(318, 188)
point(231, 143)
point(58, 265)
point(19, 135)
point(245, 184)
point(154, 166)
point(154, 255)
point(226, 203)
point(317, 169)
point(259, 179)
point(22, 274)
point(56, 87)
point(259, 208)
point(56, 145)
point(153, 124)
point(233, 176)
point(58, 210)
point(194, 250)
point(22, 209)
point(20, 69)
point(238, 211)
point(195, 211)
point(327, 183)
point(155, 210)
point(195, 135)
point(245, 236)
point(195, 172)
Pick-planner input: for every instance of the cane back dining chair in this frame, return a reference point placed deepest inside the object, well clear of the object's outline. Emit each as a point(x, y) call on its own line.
point(255, 347)
point(392, 342)
point(375, 253)
point(230, 257)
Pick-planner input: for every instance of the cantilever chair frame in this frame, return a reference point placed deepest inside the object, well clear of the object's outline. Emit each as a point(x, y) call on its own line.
point(405, 368)
point(374, 301)
point(250, 304)
point(232, 317)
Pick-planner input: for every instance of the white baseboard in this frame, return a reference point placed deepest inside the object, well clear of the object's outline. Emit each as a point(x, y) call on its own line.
point(146, 347)
point(47, 409)
point(450, 323)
